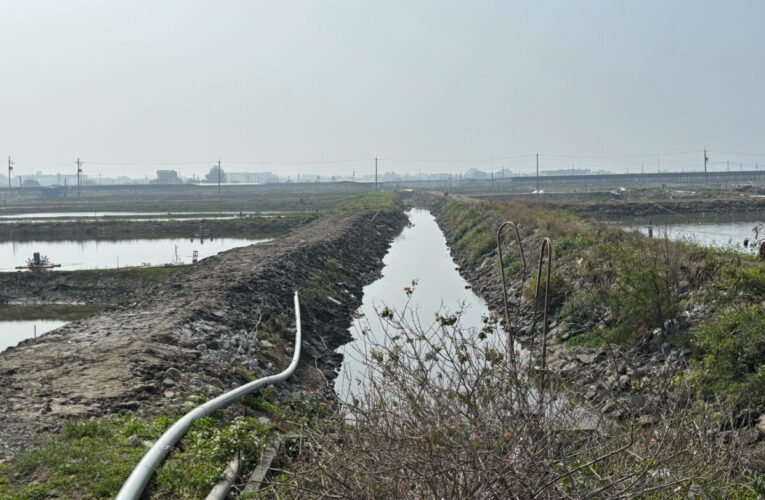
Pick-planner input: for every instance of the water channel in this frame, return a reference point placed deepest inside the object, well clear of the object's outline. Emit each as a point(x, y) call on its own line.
point(99, 254)
point(419, 252)
point(13, 332)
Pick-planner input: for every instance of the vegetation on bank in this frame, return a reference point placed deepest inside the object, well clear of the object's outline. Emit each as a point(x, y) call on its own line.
point(440, 412)
point(147, 274)
point(386, 201)
point(92, 459)
point(251, 226)
point(266, 198)
point(62, 312)
point(614, 286)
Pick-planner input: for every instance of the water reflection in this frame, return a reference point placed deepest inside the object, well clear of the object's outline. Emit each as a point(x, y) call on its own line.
point(420, 253)
point(715, 234)
point(13, 332)
point(93, 254)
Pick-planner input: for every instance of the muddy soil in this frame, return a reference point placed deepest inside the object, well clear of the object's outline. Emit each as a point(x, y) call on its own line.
point(201, 331)
point(100, 287)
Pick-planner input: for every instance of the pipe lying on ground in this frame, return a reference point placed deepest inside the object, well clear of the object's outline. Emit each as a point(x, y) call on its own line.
point(221, 489)
point(141, 475)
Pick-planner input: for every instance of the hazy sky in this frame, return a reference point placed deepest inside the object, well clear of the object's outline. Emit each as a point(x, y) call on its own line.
point(151, 83)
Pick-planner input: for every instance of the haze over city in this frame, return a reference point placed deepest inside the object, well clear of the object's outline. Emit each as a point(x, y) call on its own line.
point(322, 88)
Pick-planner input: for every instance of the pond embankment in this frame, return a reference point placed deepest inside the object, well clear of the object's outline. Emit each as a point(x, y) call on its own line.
point(252, 226)
point(200, 330)
point(624, 308)
point(691, 207)
point(101, 287)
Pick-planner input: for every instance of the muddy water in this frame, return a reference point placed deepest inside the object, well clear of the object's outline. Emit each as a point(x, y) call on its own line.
point(420, 253)
point(95, 254)
point(13, 332)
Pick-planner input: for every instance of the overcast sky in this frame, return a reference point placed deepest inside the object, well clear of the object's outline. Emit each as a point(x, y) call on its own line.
point(266, 84)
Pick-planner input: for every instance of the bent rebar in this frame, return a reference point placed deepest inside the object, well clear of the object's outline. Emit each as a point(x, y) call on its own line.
point(544, 251)
point(508, 329)
point(141, 475)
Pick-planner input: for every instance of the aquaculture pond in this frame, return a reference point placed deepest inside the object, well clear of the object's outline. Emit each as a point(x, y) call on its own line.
point(99, 254)
point(13, 332)
point(707, 233)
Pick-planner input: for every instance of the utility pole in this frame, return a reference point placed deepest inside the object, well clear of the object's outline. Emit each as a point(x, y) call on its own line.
point(537, 172)
point(219, 176)
point(658, 164)
point(706, 160)
point(10, 169)
point(79, 171)
point(375, 173)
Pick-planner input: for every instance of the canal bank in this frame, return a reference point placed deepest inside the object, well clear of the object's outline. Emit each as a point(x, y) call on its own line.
point(607, 341)
point(201, 330)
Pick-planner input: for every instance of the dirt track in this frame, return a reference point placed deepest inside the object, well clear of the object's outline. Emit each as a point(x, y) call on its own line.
point(195, 333)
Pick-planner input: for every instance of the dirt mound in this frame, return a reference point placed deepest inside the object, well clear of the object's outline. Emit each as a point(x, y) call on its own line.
point(205, 329)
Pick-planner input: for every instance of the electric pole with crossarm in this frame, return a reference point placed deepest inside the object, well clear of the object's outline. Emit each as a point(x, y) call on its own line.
point(10, 169)
point(79, 171)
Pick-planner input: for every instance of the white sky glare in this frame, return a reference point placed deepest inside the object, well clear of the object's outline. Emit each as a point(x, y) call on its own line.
point(149, 83)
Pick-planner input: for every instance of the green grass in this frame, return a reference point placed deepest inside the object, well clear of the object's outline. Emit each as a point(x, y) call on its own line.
point(63, 312)
point(148, 274)
point(633, 284)
point(733, 343)
point(87, 460)
point(92, 459)
point(252, 226)
point(382, 200)
point(589, 340)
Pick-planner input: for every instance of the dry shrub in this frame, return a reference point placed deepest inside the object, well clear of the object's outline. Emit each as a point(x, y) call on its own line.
point(441, 412)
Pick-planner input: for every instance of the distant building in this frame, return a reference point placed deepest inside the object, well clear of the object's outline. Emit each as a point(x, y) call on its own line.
point(168, 177)
point(51, 192)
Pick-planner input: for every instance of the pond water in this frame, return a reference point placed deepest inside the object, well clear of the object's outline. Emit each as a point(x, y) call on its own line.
point(98, 254)
point(716, 234)
point(13, 332)
point(132, 216)
point(419, 252)
point(74, 215)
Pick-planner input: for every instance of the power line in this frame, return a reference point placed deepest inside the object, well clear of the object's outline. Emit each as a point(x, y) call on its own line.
point(737, 154)
point(646, 155)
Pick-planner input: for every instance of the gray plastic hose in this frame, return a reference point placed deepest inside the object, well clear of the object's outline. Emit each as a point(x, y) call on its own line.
point(142, 473)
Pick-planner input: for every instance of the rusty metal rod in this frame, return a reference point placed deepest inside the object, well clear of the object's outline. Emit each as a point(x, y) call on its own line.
point(508, 329)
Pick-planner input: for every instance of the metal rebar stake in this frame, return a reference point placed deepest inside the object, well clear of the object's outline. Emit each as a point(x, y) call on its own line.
point(508, 329)
point(544, 251)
